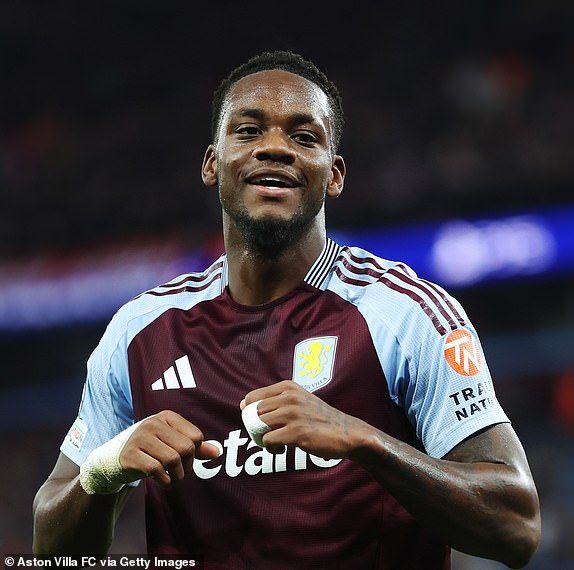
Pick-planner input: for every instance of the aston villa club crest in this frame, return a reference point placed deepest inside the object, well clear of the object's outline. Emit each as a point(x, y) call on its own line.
point(313, 362)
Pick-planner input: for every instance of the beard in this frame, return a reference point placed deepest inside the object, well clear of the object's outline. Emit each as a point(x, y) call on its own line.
point(268, 237)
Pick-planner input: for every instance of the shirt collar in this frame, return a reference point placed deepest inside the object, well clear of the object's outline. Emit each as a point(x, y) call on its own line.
point(318, 272)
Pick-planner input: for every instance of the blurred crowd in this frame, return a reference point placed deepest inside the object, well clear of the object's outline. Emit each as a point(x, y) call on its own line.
point(453, 109)
point(105, 120)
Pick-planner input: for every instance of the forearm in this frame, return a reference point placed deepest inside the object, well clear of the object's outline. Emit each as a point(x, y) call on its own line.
point(69, 521)
point(484, 509)
point(480, 498)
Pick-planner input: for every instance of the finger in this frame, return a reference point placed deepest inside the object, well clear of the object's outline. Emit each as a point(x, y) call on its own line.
point(208, 450)
point(180, 424)
point(181, 435)
point(173, 449)
point(276, 440)
point(276, 448)
point(267, 392)
point(163, 462)
point(172, 455)
point(279, 410)
point(149, 466)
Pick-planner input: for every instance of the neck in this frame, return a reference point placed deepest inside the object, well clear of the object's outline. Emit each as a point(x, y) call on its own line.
point(255, 279)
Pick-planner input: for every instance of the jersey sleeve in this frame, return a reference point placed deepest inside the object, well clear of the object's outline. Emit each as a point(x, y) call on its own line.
point(433, 362)
point(106, 404)
point(443, 380)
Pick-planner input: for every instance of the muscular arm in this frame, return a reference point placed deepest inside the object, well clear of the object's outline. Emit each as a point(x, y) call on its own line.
point(67, 520)
point(480, 498)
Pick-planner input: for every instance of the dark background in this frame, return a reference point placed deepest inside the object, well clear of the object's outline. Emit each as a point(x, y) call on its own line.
point(453, 109)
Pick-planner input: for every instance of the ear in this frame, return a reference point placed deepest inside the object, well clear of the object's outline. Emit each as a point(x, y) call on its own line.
point(209, 167)
point(338, 172)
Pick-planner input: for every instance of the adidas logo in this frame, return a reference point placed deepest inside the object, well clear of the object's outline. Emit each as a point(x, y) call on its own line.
point(172, 380)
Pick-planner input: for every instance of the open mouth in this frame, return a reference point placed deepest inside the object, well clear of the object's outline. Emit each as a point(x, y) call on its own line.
point(272, 181)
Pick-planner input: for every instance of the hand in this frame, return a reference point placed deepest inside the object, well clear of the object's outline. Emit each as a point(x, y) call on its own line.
point(299, 418)
point(164, 447)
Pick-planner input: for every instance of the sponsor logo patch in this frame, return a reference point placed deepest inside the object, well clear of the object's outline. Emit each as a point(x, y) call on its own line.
point(77, 433)
point(313, 362)
point(462, 353)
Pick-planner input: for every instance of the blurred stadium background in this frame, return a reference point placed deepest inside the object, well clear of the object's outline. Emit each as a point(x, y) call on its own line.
point(460, 149)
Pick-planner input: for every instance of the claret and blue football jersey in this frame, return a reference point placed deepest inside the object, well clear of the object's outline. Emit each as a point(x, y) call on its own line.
point(362, 333)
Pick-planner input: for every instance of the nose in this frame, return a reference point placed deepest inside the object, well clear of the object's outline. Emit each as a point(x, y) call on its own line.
point(275, 145)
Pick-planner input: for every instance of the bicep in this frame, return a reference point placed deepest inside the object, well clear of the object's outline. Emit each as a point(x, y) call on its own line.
point(504, 474)
point(61, 478)
point(65, 469)
point(494, 444)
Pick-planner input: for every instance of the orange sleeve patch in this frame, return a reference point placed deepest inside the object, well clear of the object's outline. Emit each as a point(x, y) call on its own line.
point(462, 353)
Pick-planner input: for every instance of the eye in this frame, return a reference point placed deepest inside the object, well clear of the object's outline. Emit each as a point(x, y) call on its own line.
point(246, 131)
point(306, 138)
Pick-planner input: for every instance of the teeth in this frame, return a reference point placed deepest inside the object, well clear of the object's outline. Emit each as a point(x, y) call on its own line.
point(275, 182)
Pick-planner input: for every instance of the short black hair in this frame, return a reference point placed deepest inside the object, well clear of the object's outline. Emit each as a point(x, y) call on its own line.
point(287, 61)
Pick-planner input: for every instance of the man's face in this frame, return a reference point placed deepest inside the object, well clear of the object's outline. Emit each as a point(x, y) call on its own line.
point(272, 159)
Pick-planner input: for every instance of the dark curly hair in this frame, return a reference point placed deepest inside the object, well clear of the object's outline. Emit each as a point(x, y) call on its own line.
point(293, 63)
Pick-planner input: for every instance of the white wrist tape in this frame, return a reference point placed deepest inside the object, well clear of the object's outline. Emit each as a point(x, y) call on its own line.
point(102, 472)
point(255, 426)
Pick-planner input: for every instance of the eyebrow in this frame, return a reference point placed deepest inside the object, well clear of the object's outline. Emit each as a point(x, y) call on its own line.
point(295, 118)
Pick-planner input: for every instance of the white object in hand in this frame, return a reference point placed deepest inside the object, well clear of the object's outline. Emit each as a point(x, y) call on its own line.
point(255, 426)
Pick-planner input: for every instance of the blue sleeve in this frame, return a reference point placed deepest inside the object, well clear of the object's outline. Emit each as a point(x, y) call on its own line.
point(445, 402)
point(432, 360)
point(106, 405)
point(442, 381)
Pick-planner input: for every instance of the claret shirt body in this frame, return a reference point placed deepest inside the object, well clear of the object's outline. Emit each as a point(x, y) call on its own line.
point(362, 333)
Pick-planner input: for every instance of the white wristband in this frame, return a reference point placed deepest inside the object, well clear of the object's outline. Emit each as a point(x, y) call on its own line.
point(102, 472)
point(255, 426)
